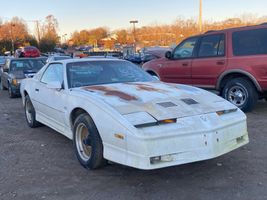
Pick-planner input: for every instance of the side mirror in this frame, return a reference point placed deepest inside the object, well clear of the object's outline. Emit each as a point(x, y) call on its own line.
point(54, 85)
point(5, 69)
point(168, 54)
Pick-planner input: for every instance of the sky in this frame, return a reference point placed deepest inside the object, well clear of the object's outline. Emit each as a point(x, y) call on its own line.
point(115, 14)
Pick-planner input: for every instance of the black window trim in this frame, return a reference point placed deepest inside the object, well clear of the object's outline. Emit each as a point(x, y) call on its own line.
point(215, 56)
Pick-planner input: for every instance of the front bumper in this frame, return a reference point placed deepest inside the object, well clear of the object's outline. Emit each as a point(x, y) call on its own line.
point(16, 89)
point(191, 139)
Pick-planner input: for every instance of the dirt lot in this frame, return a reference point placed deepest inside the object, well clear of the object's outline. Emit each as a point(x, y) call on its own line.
point(40, 164)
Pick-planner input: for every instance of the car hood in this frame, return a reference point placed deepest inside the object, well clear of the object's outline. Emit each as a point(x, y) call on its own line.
point(23, 74)
point(161, 100)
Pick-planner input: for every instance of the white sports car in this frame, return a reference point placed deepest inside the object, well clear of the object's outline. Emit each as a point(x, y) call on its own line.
point(113, 110)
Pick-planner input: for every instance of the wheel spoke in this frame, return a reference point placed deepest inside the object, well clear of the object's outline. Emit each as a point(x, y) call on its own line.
point(237, 95)
point(83, 142)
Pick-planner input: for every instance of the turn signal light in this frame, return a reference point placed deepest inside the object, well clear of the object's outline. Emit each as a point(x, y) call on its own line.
point(223, 112)
point(168, 121)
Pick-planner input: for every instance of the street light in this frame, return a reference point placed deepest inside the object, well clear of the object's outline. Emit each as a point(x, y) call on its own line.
point(12, 39)
point(134, 22)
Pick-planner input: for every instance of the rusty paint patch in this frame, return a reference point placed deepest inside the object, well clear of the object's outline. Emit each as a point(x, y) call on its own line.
point(172, 85)
point(112, 92)
point(146, 87)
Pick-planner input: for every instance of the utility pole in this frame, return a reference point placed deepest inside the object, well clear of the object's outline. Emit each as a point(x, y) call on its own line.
point(12, 39)
point(134, 22)
point(37, 25)
point(200, 17)
point(64, 38)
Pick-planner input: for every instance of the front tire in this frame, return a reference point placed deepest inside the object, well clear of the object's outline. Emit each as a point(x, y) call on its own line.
point(87, 143)
point(30, 114)
point(241, 92)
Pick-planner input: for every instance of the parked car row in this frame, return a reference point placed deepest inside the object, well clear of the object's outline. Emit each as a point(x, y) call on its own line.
point(141, 58)
point(113, 110)
point(75, 97)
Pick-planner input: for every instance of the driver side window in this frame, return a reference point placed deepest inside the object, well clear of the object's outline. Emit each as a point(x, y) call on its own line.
point(54, 72)
point(185, 50)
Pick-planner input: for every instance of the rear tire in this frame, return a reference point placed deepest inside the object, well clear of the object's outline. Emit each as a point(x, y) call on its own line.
point(87, 143)
point(241, 92)
point(30, 114)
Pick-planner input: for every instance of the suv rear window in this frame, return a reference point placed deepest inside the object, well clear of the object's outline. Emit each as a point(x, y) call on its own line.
point(211, 46)
point(250, 42)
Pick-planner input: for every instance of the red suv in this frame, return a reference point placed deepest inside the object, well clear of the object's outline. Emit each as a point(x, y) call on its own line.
point(232, 61)
point(27, 52)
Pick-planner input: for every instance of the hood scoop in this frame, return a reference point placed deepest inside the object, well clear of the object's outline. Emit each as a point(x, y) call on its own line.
point(167, 104)
point(189, 101)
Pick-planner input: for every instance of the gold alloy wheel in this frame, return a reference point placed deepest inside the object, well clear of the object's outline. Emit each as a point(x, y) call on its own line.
point(82, 142)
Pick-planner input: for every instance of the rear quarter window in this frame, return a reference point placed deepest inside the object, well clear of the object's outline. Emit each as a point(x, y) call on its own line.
point(250, 42)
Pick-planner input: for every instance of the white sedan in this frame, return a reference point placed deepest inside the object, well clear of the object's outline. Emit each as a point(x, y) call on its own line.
point(113, 110)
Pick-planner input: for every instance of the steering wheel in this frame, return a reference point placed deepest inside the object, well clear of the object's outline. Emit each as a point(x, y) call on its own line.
point(185, 53)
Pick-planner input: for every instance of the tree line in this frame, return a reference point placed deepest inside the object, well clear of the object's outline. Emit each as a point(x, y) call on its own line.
point(157, 35)
point(15, 34)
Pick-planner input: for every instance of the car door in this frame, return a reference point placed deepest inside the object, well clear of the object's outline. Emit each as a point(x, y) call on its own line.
point(210, 62)
point(177, 69)
point(50, 103)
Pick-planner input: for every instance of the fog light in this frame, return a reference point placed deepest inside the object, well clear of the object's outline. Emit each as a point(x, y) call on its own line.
point(154, 160)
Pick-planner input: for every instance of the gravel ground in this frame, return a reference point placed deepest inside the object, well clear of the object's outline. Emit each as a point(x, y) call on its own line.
point(40, 164)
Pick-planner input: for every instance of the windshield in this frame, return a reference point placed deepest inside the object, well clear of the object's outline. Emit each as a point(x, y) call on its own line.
point(25, 65)
point(104, 72)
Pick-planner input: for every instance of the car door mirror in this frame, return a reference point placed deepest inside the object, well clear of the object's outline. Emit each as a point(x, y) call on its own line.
point(168, 54)
point(54, 85)
point(5, 69)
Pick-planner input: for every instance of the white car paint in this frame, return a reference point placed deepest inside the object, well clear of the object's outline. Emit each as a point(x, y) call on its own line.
point(202, 130)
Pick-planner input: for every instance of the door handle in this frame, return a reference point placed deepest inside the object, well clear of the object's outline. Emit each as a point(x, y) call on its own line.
point(220, 62)
point(185, 64)
point(36, 89)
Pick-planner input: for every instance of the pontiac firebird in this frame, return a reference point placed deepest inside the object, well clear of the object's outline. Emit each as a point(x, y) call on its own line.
point(113, 110)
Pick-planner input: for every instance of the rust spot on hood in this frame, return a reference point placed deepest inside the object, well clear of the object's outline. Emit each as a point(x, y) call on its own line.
point(146, 87)
point(111, 92)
